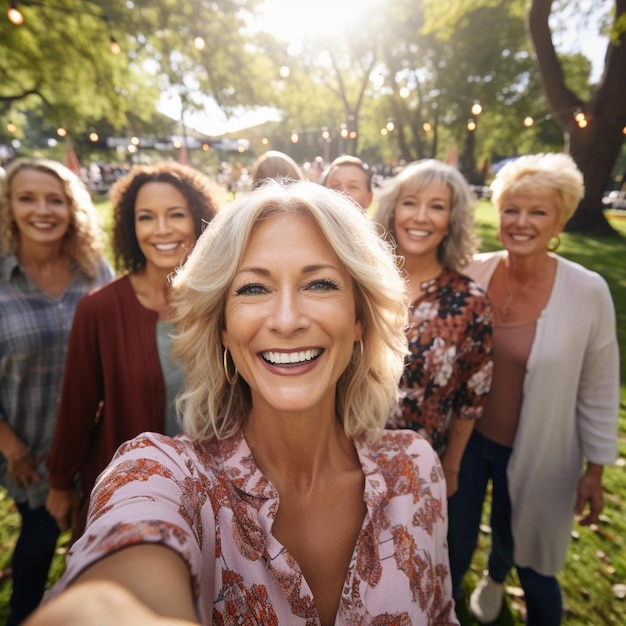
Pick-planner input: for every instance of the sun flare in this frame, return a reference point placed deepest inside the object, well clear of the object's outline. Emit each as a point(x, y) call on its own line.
point(294, 20)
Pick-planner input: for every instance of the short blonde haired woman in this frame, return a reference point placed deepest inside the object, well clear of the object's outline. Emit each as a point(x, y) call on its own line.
point(550, 422)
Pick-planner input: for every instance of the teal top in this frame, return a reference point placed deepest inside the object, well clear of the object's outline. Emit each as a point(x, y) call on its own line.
point(173, 377)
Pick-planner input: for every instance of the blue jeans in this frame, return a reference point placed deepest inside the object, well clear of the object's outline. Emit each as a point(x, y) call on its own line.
point(31, 561)
point(485, 460)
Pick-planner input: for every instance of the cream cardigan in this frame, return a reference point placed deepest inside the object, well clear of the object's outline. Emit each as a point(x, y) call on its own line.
point(569, 412)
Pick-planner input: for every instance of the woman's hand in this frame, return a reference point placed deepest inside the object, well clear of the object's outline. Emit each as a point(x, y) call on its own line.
point(99, 603)
point(21, 463)
point(63, 505)
point(452, 479)
point(23, 469)
point(590, 490)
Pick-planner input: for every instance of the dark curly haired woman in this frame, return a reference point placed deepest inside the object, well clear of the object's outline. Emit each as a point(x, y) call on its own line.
point(121, 378)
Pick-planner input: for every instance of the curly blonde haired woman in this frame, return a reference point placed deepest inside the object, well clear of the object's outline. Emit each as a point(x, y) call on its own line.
point(50, 257)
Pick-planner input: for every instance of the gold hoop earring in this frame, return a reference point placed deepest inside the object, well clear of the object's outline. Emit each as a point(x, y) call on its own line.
point(360, 353)
point(231, 379)
point(554, 247)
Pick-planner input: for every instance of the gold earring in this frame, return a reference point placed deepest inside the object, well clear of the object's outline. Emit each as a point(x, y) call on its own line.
point(555, 246)
point(230, 378)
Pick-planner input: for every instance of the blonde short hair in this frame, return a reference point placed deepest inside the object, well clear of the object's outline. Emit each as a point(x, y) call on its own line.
point(211, 407)
point(458, 247)
point(553, 175)
point(84, 240)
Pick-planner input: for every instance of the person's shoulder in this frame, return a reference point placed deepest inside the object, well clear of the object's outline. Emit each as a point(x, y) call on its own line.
point(483, 258)
point(580, 271)
point(105, 272)
point(465, 283)
point(103, 294)
point(406, 462)
point(182, 447)
point(470, 297)
point(8, 264)
point(157, 448)
point(581, 280)
point(399, 443)
point(482, 266)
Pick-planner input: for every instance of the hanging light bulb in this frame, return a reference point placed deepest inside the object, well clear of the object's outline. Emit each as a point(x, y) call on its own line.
point(114, 46)
point(199, 43)
point(477, 108)
point(15, 15)
point(528, 121)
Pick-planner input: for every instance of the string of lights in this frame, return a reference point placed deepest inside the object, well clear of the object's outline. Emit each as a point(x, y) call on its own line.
point(16, 17)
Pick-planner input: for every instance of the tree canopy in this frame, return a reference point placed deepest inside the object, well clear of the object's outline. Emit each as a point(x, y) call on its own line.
point(483, 80)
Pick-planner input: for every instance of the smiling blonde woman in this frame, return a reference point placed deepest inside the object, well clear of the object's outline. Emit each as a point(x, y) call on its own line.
point(286, 502)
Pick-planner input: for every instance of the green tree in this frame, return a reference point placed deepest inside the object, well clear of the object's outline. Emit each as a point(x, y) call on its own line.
point(595, 139)
point(59, 59)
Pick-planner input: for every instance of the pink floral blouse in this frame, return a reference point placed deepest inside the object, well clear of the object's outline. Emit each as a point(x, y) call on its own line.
point(212, 505)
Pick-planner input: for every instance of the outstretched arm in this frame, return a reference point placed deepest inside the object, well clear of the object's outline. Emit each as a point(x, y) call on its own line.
point(145, 584)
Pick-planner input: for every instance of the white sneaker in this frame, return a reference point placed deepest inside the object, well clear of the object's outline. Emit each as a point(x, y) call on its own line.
point(486, 600)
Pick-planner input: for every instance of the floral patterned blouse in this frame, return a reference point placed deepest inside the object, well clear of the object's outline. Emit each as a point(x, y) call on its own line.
point(212, 505)
point(449, 367)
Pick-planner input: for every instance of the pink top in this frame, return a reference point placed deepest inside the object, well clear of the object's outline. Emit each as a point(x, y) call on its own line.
point(212, 505)
point(511, 348)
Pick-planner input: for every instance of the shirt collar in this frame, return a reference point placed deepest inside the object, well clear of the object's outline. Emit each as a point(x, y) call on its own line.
point(244, 474)
point(8, 265)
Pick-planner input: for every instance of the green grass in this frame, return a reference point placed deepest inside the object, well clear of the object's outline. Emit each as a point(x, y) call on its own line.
point(597, 557)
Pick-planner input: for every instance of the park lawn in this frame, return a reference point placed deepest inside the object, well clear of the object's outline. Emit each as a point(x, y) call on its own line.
point(597, 556)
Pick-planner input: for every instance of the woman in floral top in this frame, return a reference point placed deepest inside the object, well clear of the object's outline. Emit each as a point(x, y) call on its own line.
point(286, 501)
point(427, 209)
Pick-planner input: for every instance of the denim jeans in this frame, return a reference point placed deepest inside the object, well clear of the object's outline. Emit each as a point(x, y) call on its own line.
point(31, 561)
point(485, 460)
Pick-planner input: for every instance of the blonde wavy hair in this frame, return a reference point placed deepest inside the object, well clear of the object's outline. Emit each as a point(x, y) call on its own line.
point(84, 241)
point(553, 176)
point(459, 246)
point(212, 408)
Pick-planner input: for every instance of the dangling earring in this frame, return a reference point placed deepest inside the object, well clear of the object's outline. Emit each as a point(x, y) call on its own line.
point(231, 379)
point(555, 246)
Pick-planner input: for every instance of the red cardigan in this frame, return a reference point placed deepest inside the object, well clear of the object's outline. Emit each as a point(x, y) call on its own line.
point(113, 387)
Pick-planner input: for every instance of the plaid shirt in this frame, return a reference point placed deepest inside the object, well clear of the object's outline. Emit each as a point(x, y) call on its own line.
point(34, 331)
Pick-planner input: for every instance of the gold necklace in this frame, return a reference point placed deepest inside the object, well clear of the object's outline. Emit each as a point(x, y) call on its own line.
point(505, 309)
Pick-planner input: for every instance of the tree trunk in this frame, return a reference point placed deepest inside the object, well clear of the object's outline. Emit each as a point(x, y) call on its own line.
point(596, 146)
point(595, 150)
